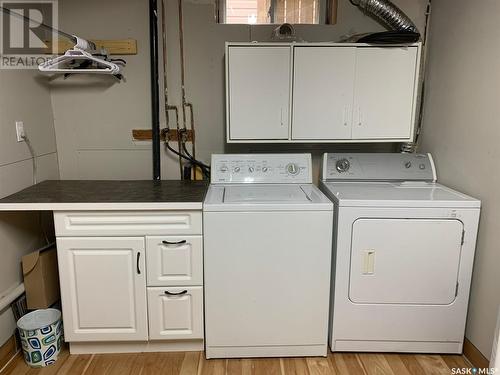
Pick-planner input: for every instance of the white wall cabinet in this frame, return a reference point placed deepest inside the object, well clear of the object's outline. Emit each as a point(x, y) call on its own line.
point(339, 92)
point(323, 93)
point(258, 87)
point(139, 293)
point(384, 91)
point(103, 287)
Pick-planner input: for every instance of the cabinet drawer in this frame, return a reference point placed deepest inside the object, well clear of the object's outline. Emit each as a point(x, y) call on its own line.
point(175, 313)
point(174, 260)
point(128, 223)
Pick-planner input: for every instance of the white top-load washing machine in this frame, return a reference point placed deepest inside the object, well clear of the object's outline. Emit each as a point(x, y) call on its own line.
point(403, 254)
point(267, 256)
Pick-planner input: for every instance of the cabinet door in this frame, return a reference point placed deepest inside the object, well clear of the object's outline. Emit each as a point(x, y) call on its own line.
point(174, 260)
point(103, 288)
point(258, 92)
point(323, 92)
point(384, 92)
point(175, 313)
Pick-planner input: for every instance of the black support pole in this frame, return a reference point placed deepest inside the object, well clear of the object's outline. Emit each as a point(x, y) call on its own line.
point(155, 99)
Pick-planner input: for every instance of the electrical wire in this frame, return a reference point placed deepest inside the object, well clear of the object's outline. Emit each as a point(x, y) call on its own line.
point(42, 227)
point(33, 157)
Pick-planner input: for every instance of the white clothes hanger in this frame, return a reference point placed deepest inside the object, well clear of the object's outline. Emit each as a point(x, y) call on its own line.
point(79, 53)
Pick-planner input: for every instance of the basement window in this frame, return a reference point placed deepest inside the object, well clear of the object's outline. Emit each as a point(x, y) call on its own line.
point(255, 12)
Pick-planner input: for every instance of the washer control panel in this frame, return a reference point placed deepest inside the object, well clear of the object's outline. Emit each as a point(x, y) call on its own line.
point(378, 167)
point(261, 168)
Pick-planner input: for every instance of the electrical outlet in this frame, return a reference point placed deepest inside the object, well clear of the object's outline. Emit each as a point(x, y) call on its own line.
point(20, 131)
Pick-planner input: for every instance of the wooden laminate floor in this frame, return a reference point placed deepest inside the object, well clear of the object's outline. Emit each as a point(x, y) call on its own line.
point(195, 363)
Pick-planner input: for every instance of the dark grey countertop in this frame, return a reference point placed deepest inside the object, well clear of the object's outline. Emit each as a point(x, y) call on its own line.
point(88, 194)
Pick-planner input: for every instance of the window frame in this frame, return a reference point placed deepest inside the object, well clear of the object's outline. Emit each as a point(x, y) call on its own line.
point(327, 13)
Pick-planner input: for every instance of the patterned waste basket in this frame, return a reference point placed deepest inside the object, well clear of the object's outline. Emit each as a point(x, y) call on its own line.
point(41, 336)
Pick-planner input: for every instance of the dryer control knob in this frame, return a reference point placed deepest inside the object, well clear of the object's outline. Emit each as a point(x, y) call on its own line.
point(342, 165)
point(293, 169)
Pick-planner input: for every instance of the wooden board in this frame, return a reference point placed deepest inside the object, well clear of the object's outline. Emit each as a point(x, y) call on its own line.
point(147, 135)
point(114, 47)
point(474, 355)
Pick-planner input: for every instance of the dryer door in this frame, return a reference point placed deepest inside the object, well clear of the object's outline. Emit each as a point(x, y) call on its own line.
point(405, 261)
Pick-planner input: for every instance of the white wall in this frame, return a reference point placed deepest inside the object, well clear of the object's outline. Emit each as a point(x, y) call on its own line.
point(98, 144)
point(23, 96)
point(461, 129)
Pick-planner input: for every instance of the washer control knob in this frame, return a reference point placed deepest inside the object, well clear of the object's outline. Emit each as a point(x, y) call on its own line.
point(292, 169)
point(422, 166)
point(408, 164)
point(342, 165)
point(236, 169)
point(264, 169)
point(223, 169)
point(251, 169)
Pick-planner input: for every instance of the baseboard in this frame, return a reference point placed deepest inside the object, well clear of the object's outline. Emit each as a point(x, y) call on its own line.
point(474, 356)
point(136, 346)
point(8, 351)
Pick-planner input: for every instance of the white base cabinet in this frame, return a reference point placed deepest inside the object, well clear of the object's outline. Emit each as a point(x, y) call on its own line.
point(119, 293)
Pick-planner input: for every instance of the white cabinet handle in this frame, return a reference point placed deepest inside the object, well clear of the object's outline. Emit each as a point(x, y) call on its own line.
point(360, 117)
point(281, 116)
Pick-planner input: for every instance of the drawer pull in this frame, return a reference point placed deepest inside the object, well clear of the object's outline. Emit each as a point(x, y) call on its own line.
point(138, 268)
point(174, 243)
point(175, 294)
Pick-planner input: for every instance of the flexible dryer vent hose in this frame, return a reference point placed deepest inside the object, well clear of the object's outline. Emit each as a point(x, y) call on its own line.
point(388, 13)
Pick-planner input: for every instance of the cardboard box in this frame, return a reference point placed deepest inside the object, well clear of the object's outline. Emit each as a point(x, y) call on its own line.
point(41, 278)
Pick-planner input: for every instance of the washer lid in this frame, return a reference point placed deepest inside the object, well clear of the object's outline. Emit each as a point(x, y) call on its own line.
point(265, 194)
point(397, 194)
point(265, 197)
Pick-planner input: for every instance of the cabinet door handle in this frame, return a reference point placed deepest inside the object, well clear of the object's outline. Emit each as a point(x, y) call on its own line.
point(360, 117)
point(137, 265)
point(175, 294)
point(174, 243)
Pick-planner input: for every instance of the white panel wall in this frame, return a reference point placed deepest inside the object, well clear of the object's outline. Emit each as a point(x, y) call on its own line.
point(113, 110)
point(25, 97)
point(461, 129)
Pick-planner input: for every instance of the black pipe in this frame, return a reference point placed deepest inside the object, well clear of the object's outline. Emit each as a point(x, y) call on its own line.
point(155, 90)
